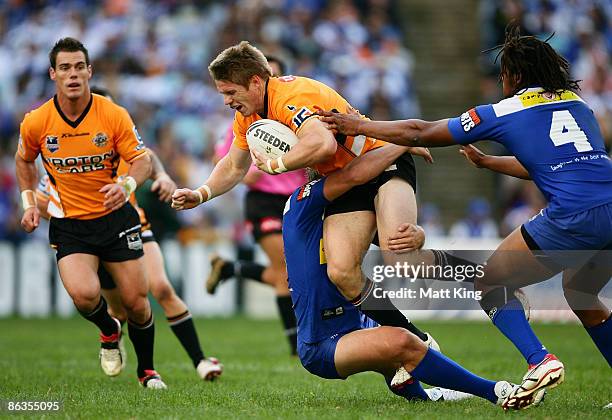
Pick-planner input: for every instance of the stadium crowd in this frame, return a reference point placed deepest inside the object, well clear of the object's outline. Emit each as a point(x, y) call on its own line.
point(153, 55)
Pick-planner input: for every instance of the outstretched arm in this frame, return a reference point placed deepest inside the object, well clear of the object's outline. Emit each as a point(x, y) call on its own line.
point(228, 172)
point(402, 132)
point(508, 165)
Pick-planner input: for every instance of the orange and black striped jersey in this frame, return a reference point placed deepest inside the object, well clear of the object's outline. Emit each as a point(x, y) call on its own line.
point(80, 156)
point(291, 100)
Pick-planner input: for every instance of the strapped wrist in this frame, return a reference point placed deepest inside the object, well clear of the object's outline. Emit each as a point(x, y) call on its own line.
point(129, 186)
point(28, 199)
point(208, 191)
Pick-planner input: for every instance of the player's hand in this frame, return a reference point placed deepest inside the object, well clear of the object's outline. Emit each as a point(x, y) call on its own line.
point(423, 152)
point(164, 186)
point(473, 155)
point(115, 196)
point(261, 162)
point(30, 219)
point(185, 199)
point(408, 238)
point(347, 124)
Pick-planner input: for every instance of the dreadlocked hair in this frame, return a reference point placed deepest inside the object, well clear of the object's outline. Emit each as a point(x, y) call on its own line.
point(532, 62)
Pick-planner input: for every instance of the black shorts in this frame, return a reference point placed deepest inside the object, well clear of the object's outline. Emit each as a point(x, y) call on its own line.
point(361, 197)
point(106, 280)
point(264, 213)
point(114, 237)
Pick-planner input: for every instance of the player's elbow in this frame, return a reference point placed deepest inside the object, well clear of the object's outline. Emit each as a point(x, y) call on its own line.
point(325, 150)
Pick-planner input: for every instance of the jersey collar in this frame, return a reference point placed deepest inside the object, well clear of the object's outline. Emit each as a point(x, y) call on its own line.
point(75, 123)
point(265, 111)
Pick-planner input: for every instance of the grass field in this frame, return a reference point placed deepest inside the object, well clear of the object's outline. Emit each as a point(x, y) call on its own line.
point(56, 359)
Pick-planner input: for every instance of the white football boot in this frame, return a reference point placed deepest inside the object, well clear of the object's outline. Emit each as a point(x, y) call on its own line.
point(152, 380)
point(547, 374)
point(443, 394)
point(111, 360)
point(209, 369)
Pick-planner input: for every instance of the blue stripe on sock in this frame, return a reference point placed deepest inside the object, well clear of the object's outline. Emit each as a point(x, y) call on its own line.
point(602, 337)
point(438, 370)
point(510, 320)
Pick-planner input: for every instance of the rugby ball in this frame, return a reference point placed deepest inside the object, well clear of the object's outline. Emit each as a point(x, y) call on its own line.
point(270, 138)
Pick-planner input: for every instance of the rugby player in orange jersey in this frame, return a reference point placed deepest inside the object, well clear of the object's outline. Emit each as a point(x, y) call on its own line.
point(178, 315)
point(81, 138)
point(242, 75)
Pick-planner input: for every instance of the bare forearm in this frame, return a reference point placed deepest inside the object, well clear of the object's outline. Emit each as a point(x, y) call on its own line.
point(508, 165)
point(414, 133)
point(140, 169)
point(309, 152)
point(226, 175)
point(27, 174)
point(157, 167)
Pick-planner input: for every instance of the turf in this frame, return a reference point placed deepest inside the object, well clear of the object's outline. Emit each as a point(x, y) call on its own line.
point(56, 359)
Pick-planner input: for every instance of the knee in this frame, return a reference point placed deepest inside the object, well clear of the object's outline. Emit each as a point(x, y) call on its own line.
point(406, 346)
point(345, 277)
point(86, 301)
point(164, 293)
point(137, 306)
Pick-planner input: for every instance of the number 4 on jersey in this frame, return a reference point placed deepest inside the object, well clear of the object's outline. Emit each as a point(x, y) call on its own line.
point(564, 130)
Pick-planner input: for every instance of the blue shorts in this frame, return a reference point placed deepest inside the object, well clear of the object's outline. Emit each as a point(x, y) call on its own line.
point(318, 358)
point(572, 239)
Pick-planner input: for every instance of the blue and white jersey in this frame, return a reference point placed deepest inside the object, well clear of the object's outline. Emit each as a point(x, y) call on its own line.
point(555, 137)
point(320, 309)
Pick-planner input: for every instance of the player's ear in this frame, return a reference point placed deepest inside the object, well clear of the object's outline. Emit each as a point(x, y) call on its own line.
point(51, 73)
point(89, 70)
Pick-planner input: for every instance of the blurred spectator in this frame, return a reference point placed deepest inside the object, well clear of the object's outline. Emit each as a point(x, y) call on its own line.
point(477, 223)
point(529, 203)
point(430, 221)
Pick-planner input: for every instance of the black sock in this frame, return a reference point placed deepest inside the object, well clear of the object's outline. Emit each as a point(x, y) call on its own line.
point(101, 318)
point(182, 326)
point(249, 270)
point(285, 308)
point(389, 316)
point(445, 259)
point(492, 301)
point(245, 269)
point(143, 339)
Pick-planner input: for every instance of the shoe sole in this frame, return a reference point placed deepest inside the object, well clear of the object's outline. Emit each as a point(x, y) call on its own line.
point(211, 376)
point(215, 275)
point(552, 379)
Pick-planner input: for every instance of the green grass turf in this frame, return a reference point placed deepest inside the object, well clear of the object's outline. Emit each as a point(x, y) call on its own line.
point(56, 359)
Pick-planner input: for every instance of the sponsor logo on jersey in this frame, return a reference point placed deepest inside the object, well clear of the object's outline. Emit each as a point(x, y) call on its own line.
point(52, 144)
point(332, 312)
point(532, 98)
point(470, 119)
point(80, 164)
point(100, 139)
point(305, 190)
point(66, 135)
point(291, 108)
